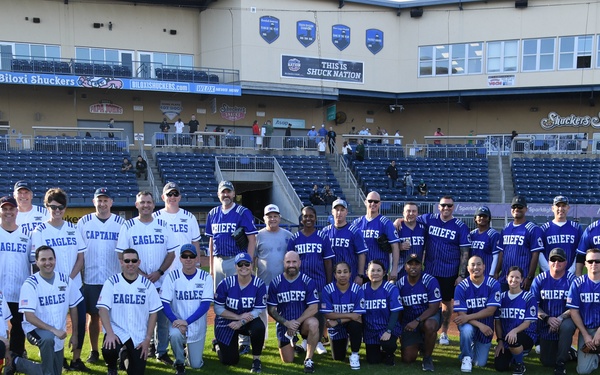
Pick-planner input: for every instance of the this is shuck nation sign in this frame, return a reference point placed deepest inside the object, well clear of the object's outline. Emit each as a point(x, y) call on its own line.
point(325, 69)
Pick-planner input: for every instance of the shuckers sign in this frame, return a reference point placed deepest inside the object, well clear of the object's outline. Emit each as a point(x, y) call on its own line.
point(554, 120)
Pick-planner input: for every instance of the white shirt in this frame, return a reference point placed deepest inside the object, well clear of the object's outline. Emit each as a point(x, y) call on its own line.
point(185, 228)
point(15, 262)
point(179, 127)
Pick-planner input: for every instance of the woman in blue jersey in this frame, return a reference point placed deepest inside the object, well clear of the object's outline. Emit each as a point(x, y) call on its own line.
point(515, 323)
point(382, 306)
point(343, 303)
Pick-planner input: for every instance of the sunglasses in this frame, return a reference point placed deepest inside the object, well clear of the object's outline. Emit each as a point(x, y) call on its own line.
point(173, 194)
point(557, 260)
point(188, 256)
point(449, 205)
point(591, 261)
point(243, 264)
point(134, 261)
point(54, 207)
point(517, 207)
point(373, 201)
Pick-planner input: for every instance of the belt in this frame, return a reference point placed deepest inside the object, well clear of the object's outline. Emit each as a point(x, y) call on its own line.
point(224, 258)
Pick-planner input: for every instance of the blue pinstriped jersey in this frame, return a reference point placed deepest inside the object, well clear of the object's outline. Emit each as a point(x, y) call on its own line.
point(334, 300)
point(220, 226)
point(590, 238)
point(485, 245)
point(470, 298)
point(417, 238)
point(566, 236)
point(347, 242)
point(551, 295)
point(313, 250)
point(371, 230)
point(514, 311)
point(416, 298)
point(379, 303)
point(517, 243)
point(584, 296)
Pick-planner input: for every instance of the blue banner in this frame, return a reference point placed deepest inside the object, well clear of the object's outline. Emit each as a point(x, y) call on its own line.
point(374, 40)
point(305, 32)
point(340, 36)
point(325, 69)
point(269, 28)
point(59, 80)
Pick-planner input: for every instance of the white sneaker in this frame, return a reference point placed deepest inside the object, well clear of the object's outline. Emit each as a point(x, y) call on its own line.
point(467, 364)
point(444, 339)
point(354, 361)
point(320, 348)
point(537, 349)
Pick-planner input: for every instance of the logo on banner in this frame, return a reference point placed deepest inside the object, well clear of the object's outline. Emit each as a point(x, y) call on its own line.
point(269, 28)
point(232, 113)
point(305, 32)
point(374, 40)
point(106, 107)
point(340, 36)
point(171, 108)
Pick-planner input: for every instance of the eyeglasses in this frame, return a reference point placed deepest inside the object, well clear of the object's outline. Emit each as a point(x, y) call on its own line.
point(173, 194)
point(134, 261)
point(557, 260)
point(373, 201)
point(590, 261)
point(243, 264)
point(188, 256)
point(449, 205)
point(54, 207)
point(517, 207)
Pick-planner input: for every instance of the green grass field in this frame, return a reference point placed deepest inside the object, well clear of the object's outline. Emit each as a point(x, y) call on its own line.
point(445, 360)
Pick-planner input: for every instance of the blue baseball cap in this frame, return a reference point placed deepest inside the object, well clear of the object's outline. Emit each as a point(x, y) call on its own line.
point(225, 185)
point(188, 247)
point(22, 185)
point(243, 257)
point(483, 210)
point(102, 191)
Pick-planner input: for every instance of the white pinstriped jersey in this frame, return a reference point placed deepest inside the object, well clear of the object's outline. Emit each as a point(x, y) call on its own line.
point(185, 295)
point(15, 263)
point(50, 302)
point(33, 218)
point(5, 316)
point(66, 242)
point(185, 228)
point(101, 260)
point(151, 240)
point(129, 306)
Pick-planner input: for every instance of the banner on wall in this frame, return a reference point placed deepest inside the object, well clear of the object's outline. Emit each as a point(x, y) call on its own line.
point(171, 108)
point(554, 120)
point(325, 69)
point(305, 32)
point(232, 113)
point(340, 36)
point(269, 28)
point(283, 123)
point(106, 107)
point(500, 81)
point(374, 40)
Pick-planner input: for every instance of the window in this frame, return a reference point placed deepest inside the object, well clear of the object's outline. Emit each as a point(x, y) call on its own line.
point(502, 56)
point(36, 51)
point(453, 59)
point(538, 54)
point(575, 52)
point(103, 56)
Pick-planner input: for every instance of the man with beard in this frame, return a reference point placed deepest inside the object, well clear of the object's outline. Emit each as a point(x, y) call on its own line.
point(412, 235)
point(293, 302)
point(484, 239)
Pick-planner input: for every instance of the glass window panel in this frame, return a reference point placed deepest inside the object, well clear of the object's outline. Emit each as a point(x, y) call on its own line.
point(160, 58)
point(494, 65)
point(187, 61)
point(475, 66)
point(21, 50)
point(82, 54)
point(565, 61)
point(426, 68)
point(567, 44)
point(510, 48)
point(458, 66)
point(38, 51)
point(426, 53)
point(584, 44)
point(53, 52)
point(441, 67)
point(529, 63)
point(510, 64)
point(97, 55)
point(172, 59)
point(475, 50)
point(530, 46)
point(547, 62)
point(547, 45)
point(441, 52)
point(111, 56)
point(494, 49)
point(458, 51)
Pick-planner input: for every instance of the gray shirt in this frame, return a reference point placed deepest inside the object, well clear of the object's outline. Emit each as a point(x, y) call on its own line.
point(270, 250)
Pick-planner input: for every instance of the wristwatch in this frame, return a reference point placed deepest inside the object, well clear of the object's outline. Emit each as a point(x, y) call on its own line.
point(418, 319)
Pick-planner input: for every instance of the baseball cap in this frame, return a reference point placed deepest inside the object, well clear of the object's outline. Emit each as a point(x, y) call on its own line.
point(313, 127)
point(557, 252)
point(413, 257)
point(170, 186)
point(102, 191)
point(271, 208)
point(519, 200)
point(560, 199)
point(339, 202)
point(483, 210)
point(22, 185)
point(8, 200)
point(225, 185)
point(188, 247)
point(243, 257)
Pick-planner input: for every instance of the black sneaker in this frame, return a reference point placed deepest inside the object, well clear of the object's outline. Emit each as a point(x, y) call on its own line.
point(244, 349)
point(166, 359)
point(519, 369)
point(256, 366)
point(152, 351)
point(215, 343)
point(77, 365)
point(112, 371)
point(309, 366)
point(94, 357)
point(389, 360)
point(560, 369)
point(179, 369)
point(122, 359)
point(66, 365)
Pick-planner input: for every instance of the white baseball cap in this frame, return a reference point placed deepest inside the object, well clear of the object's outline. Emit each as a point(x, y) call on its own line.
point(271, 208)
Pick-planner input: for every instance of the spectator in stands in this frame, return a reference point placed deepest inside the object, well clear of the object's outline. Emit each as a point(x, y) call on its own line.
point(353, 131)
point(392, 174)
point(438, 133)
point(268, 133)
point(126, 166)
point(513, 135)
point(193, 124)
point(347, 152)
point(470, 141)
point(206, 138)
point(360, 151)
point(322, 131)
point(219, 129)
point(315, 196)
point(328, 195)
point(312, 137)
point(141, 168)
point(322, 147)
point(422, 188)
point(111, 124)
point(164, 126)
point(409, 183)
point(364, 131)
point(178, 131)
point(256, 134)
point(288, 134)
point(385, 140)
point(331, 139)
point(397, 140)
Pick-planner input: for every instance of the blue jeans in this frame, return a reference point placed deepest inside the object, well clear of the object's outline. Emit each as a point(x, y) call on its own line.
point(468, 347)
point(409, 190)
point(391, 183)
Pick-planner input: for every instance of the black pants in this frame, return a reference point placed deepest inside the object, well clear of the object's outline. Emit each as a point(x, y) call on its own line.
point(377, 352)
point(136, 364)
point(503, 361)
point(338, 347)
point(229, 354)
point(17, 336)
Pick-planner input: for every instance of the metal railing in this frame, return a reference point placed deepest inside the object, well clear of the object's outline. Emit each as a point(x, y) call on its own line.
point(151, 180)
point(219, 140)
point(63, 144)
point(287, 187)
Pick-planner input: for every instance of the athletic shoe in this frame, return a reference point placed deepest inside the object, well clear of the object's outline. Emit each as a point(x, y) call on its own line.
point(309, 366)
point(10, 369)
point(179, 369)
point(354, 361)
point(112, 372)
point(94, 357)
point(244, 349)
point(152, 351)
point(66, 365)
point(537, 349)
point(428, 364)
point(320, 348)
point(256, 366)
point(444, 339)
point(122, 358)
point(519, 369)
point(560, 369)
point(214, 345)
point(303, 345)
point(325, 340)
point(389, 360)
point(77, 365)
point(166, 359)
point(467, 364)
